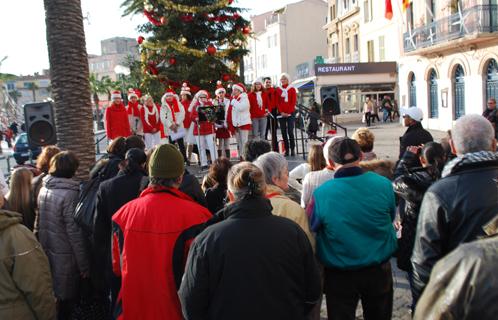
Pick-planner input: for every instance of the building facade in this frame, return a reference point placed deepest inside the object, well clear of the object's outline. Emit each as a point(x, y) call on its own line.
point(115, 51)
point(32, 88)
point(286, 40)
point(450, 63)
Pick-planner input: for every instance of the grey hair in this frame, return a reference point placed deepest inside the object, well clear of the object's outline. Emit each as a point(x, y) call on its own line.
point(472, 133)
point(327, 149)
point(272, 164)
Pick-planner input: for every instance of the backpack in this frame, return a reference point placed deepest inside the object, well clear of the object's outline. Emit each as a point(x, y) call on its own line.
point(84, 213)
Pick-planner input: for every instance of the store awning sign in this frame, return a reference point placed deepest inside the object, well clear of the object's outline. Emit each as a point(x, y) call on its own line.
point(354, 68)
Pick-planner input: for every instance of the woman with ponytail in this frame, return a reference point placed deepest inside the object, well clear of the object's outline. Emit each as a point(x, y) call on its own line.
point(252, 255)
point(410, 184)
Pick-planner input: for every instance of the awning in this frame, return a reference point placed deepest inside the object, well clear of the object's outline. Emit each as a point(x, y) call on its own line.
point(304, 84)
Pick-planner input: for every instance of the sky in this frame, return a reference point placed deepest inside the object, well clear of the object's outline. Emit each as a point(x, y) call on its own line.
point(24, 37)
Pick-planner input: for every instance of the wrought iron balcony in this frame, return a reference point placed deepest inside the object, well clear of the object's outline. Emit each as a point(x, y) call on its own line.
point(464, 23)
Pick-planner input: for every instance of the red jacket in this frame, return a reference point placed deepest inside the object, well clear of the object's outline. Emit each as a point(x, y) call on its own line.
point(116, 121)
point(272, 98)
point(145, 232)
point(202, 128)
point(186, 121)
point(258, 111)
point(153, 122)
point(286, 106)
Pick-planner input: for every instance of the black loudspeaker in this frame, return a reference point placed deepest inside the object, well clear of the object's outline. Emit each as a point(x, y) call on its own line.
point(40, 124)
point(330, 101)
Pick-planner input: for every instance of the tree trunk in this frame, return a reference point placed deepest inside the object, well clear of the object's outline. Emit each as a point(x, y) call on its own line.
point(69, 77)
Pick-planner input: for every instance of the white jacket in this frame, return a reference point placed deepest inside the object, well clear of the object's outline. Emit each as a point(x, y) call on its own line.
point(166, 116)
point(241, 114)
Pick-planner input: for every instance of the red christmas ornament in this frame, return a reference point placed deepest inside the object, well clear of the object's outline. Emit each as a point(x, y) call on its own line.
point(187, 18)
point(172, 61)
point(140, 39)
point(236, 16)
point(246, 30)
point(230, 2)
point(151, 18)
point(163, 20)
point(225, 77)
point(211, 49)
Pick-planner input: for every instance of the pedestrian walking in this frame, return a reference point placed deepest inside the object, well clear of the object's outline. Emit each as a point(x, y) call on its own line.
point(355, 236)
point(145, 234)
point(61, 238)
point(387, 107)
point(25, 280)
point(455, 208)
point(258, 100)
point(286, 105)
point(116, 118)
point(367, 111)
point(231, 274)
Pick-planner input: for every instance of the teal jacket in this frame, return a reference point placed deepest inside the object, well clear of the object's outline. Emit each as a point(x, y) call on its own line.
point(352, 217)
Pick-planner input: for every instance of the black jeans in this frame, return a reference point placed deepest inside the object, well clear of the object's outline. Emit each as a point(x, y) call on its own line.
point(287, 129)
point(372, 285)
point(368, 117)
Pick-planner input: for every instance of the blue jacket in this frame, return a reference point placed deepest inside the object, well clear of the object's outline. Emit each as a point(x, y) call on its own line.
point(352, 216)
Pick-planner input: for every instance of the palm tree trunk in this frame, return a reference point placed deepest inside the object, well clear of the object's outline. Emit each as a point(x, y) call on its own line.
point(96, 100)
point(69, 77)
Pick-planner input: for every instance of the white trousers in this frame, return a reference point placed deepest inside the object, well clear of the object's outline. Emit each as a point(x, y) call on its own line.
point(242, 136)
point(152, 140)
point(206, 143)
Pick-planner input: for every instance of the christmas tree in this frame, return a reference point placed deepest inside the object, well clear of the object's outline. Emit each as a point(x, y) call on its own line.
point(193, 41)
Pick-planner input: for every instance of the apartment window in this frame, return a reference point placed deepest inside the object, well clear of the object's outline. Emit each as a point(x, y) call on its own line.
point(348, 46)
point(459, 91)
point(263, 58)
point(367, 8)
point(432, 7)
point(370, 48)
point(269, 41)
point(355, 43)
point(492, 80)
point(275, 40)
point(409, 16)
point(332, 12)
point(433, 100)
point(382, 51)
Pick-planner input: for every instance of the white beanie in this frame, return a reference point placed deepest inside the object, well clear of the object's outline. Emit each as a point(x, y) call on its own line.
point(258, 80)
point(284, 75)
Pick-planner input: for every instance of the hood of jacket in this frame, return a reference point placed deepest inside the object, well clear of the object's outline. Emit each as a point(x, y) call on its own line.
point(51, 182)
point(9, 218)
point(470, 161)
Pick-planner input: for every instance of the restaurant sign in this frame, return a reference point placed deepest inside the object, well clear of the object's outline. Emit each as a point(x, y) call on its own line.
point(354, 68)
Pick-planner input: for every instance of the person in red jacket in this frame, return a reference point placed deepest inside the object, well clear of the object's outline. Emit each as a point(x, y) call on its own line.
point(151, 239)
point(151, 123)
point(286, 105)
point(134, 108)
point(186, 100)
point(258, 100)
point(203, 122)
point(116, 118)
point(271, 124)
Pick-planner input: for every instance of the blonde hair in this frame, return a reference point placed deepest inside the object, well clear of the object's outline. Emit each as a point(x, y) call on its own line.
point(246, 180)
point(20, 196)
point(365, 139)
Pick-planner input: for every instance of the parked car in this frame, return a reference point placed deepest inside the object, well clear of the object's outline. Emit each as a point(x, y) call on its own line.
point(21, 149)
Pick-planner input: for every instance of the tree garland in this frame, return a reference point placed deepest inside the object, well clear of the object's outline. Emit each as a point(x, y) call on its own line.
point(168, 4)
point(177, 46)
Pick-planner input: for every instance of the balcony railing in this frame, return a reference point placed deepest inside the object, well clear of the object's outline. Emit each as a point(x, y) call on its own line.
point(470, 21)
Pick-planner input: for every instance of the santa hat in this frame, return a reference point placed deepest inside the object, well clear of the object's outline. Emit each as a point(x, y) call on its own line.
point(170, 92)
point(219, 88)
point(116, 95)
point(285, 75)
point(132, 93)
point(239, 86)
point(185, 89)
point(258, 80)
point(202, 93)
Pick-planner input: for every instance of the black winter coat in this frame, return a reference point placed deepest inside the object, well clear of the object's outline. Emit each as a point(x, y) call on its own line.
point(415, 135)
point(112, 195)
point(453, 211)
point(191, 186)
point(410, 184)
point(252, 265)
point(216, 197)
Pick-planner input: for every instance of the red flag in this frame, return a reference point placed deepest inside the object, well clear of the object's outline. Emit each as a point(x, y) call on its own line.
point(389, 10)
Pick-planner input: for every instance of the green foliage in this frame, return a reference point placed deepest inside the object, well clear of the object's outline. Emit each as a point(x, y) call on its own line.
point(192, 34)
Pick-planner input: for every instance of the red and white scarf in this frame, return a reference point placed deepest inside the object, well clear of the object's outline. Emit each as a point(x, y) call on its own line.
point(148, 113)
point(259, 98)
point(285, 92)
